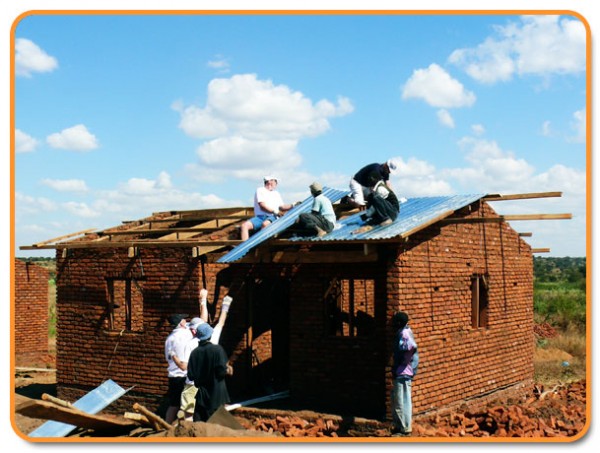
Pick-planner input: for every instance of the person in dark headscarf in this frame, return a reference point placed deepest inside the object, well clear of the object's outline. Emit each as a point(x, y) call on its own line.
point(207, 368)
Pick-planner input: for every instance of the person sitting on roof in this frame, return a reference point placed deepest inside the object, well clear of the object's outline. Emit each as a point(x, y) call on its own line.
point(360, 183)
point(268, 206)
point(383, 206)
point(321, 218)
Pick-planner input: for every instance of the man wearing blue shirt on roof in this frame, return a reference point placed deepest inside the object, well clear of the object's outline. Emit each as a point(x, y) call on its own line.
point(321, 218)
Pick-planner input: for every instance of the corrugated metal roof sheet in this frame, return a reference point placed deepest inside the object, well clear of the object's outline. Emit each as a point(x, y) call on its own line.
point(414, 214)
point(92, 403)
point(279, 225)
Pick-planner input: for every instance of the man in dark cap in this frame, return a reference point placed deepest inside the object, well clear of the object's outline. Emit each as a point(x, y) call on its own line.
point(406, 361)
point(321, 218)
point(174, 345)
point(359, 183)
point(207, 368)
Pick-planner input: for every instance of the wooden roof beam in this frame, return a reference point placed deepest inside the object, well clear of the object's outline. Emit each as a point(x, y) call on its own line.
point(60, 238)
point(134, 243)
point(198, 229)
point(542, 250)
point(521, 196)
point(507, 218)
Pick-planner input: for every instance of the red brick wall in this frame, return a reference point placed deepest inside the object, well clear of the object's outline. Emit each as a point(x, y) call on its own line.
point(31, 308)
point(336, 373)
point(277, 332)
point(431, 281)
point(88, 351)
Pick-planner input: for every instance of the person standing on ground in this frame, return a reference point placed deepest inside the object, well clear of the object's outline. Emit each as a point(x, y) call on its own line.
point(268, 206)
point(174, 345)
point(188, 396)
point(321, 219)
point(207, 368)
point(360, 182)
point(406, 361)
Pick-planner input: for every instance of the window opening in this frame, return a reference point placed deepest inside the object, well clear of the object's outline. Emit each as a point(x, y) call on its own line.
point(479, 301)
point(350, 307)
point(125, 305)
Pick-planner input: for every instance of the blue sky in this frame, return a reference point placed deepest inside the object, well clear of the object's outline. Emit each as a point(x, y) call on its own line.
point(120, 116)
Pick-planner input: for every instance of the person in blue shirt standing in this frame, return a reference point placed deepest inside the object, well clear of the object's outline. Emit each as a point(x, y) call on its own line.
point(406, 361)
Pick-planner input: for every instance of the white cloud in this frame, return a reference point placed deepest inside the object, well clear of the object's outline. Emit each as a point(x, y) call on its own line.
point(445, 118)
point(418, 178)
point(538, 45)
point(240, 152)
point(546, 129)
point(28, 204)
point(578, 125)
point(80, 209)
point(24, 143)
point(437, 88)
point(138, 196)
point(30, 58)
point(254, 125)
point(492, 169)
point(220, 63)
point(76, 138)
point(478, 129)
point(66, 185)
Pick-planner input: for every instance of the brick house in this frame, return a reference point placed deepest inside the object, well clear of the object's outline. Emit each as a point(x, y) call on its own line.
point(310, 315)
point(30, 311)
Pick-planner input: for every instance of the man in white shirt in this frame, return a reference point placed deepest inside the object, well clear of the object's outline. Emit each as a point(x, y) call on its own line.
point(268, 206)
point(175, 345)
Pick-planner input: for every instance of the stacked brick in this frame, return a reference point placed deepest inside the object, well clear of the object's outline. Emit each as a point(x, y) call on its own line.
point(31, 310)
point(542, 413)
point(278, 334)
point(431, 281)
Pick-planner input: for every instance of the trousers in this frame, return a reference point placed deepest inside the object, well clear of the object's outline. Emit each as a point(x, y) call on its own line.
point(402, 405)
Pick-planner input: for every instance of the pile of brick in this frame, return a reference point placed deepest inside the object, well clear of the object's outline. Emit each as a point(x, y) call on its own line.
point(292, 426)
point(557, 412)
point(544, 330)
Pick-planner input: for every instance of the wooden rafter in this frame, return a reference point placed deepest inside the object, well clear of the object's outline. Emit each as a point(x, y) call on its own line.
point(134, 243)
point(522, 196)
point(507, 218)
point(60, 238)
point(542, 250)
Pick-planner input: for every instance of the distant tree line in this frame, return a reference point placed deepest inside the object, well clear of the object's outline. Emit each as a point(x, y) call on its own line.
point(559, 270)
point(559, 291)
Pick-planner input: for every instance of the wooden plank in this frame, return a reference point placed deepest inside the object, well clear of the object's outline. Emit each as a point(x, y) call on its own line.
point(210, 213)
point(522, 196)
point(66, 236)
point(197, 229)
point(215, 223)
point(526, 234)
point(506, 218)
point(47, 410)
point(541, 250)
point(136, 243)
point(199, 251)
point(157, 421)
point(538, 217)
